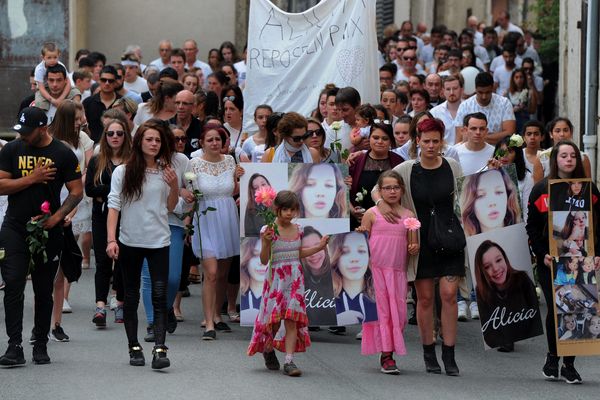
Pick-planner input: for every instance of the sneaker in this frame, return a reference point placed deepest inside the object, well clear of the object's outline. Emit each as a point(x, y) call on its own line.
point(58, 334)
point(149, 334)
point(271, 361)
point(550, 370)
point(13, 356)
point(40, 354)
point(474, 309)
point(66, 307)
point(290, 369)
point(99, 317)
point(388, 365)
point(32, 338)
point(222, 326)
point(136, 356)
point(119, 315)
point(159, 357)
point(462, 310)
point(113, 303)
point(209, 335)
point(337, 330)
point(570, 374)
point(358, 335)
point(171, 321)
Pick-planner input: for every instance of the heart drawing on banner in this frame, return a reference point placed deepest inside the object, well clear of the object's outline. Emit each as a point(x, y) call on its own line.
point(351, 63)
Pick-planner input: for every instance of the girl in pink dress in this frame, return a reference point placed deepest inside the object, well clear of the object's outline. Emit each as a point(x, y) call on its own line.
point(283, 290)
point(389, 250)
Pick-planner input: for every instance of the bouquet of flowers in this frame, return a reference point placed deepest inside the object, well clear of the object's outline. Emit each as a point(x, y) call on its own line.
point(38, 236)
point(264, 198)
point(412, 225)
point(336, 145)
point(190, 178)
point(360, 196)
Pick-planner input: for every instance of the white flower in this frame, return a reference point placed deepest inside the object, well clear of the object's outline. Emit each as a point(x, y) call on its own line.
point(336, 125)
point(515, 141)
point(189, 176)
point(359, 197)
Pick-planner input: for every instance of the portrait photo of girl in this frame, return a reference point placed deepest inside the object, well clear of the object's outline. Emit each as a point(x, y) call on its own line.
point(322, 191)
point(320, 301)
point(489, 200)
point(570, 233)
point(252, 277)
point(572, 195)
point(252, 221)
point(503, 291)
point(352, 282)
point(568, 270)
point(567, 329)
point(592, 327)
point(587, 275)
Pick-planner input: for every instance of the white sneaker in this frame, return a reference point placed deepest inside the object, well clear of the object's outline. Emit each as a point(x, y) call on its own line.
point(359, 335)
point(113, 303)
point(474, 310)
point(462, 310)
point(66, 307)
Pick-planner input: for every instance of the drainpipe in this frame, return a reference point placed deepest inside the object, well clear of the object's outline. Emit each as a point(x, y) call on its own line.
point(590, 137)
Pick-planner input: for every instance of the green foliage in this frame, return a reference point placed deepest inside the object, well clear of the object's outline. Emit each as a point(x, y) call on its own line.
point(548, 21)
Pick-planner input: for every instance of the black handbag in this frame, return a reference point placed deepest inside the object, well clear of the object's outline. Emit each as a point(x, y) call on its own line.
point(71, 257)
point(446, 235)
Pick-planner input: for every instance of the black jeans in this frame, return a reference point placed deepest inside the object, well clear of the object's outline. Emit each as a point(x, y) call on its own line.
point(14, 271)
point(104, 264)
point(132, 259)
point(545, 281)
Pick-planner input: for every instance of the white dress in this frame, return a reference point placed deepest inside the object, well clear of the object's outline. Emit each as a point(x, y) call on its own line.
point(220, 229)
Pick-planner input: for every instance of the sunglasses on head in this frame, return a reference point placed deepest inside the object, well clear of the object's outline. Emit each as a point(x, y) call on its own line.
point(113, 133)
point(230, 98)
point(180, 138)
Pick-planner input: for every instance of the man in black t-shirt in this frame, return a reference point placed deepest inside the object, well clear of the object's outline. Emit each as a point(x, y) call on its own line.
point(33, 169)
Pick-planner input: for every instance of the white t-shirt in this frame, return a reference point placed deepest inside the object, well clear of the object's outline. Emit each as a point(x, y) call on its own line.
point(497, 111)
point(139, 85)
point(473, 161)
point(253, 151)
point(241, 69)
point(159, 64)
point(343, 135)
point(498, 62)
point(511, 28)
point(441, 112)
point(142, 115)
point(40, 71)
point(502, 78)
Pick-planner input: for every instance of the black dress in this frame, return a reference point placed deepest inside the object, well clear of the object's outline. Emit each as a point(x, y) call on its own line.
point(434, 186)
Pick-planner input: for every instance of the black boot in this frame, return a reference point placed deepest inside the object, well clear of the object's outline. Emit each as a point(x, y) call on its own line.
point(159, 357)
point(431, 362)
point(449, 362)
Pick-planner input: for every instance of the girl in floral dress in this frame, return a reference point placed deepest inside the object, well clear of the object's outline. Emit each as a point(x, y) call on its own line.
point(283, 290)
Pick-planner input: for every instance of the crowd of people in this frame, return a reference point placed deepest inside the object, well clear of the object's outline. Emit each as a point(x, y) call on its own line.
point(126, 153)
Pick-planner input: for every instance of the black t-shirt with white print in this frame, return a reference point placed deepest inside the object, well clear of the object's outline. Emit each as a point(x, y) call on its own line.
point(19, 159)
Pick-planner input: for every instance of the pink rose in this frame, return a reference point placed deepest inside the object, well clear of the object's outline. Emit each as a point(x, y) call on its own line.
point(45, 207)
point(265, 196)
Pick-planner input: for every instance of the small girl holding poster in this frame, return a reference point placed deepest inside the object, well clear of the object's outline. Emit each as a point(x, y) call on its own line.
point(283, 290)
point(389, 247)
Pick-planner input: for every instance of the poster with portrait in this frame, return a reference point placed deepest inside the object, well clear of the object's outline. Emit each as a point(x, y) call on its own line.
point(337, 280)
point(323, 195)
point(501, 270)
point(489, 200)
point(575, 272)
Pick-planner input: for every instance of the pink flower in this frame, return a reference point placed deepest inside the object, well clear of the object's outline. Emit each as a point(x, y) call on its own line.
point(412, 224)
point(45, 207)
point(265, 196)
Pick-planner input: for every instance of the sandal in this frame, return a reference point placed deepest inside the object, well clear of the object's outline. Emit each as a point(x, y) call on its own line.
point(195, 278)
point(234, 316)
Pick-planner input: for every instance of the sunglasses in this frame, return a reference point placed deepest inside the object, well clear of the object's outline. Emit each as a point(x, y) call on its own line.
point(298, 139)
point(230, 98)
point(317, 132)
point(409, 58)
point(180, 139)
point(113, 133)
point(107, 80)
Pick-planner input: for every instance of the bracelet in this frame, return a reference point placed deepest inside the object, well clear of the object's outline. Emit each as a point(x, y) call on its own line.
point(111, 241)
point(377, 202)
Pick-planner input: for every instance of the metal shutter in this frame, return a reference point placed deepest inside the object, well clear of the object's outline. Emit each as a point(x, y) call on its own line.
point(385, 15)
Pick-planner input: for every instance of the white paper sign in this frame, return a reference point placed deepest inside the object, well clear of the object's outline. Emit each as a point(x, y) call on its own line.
point(291, 57)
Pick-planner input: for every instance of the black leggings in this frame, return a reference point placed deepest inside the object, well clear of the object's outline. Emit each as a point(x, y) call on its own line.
point(132, 259)
point(104, 264)
point(545, 280)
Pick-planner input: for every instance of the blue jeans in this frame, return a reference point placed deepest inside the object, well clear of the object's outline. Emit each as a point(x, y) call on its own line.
point(471, 296)
point(175, 260)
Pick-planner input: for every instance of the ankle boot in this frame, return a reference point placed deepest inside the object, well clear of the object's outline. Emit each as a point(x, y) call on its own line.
point(431, 362)
point(449, 362)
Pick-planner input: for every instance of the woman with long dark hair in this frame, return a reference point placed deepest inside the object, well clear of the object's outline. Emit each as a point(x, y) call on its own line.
point(143, 192)
point(162, 105)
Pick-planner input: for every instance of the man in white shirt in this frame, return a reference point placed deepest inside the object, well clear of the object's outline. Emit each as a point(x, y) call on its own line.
point(436, 39)
point(164, 49)
point(132, 80)
point(453, 91)
point(190, 48)
point(475, 153)
point(242, 68)
point(503, 74)
point(505, 26)
point(498, 110)
point(347, 101)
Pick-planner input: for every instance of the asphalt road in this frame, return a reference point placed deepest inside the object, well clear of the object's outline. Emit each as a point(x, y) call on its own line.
point(94, 365)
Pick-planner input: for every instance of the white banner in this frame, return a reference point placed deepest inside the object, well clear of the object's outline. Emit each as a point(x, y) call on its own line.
point(291, 57)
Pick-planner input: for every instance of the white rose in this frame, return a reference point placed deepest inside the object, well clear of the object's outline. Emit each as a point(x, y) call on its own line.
point(359, 196)
point(189, 176)
point(336, 125)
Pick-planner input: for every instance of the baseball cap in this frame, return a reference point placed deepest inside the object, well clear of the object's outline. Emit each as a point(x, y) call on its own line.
point(30, 118)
